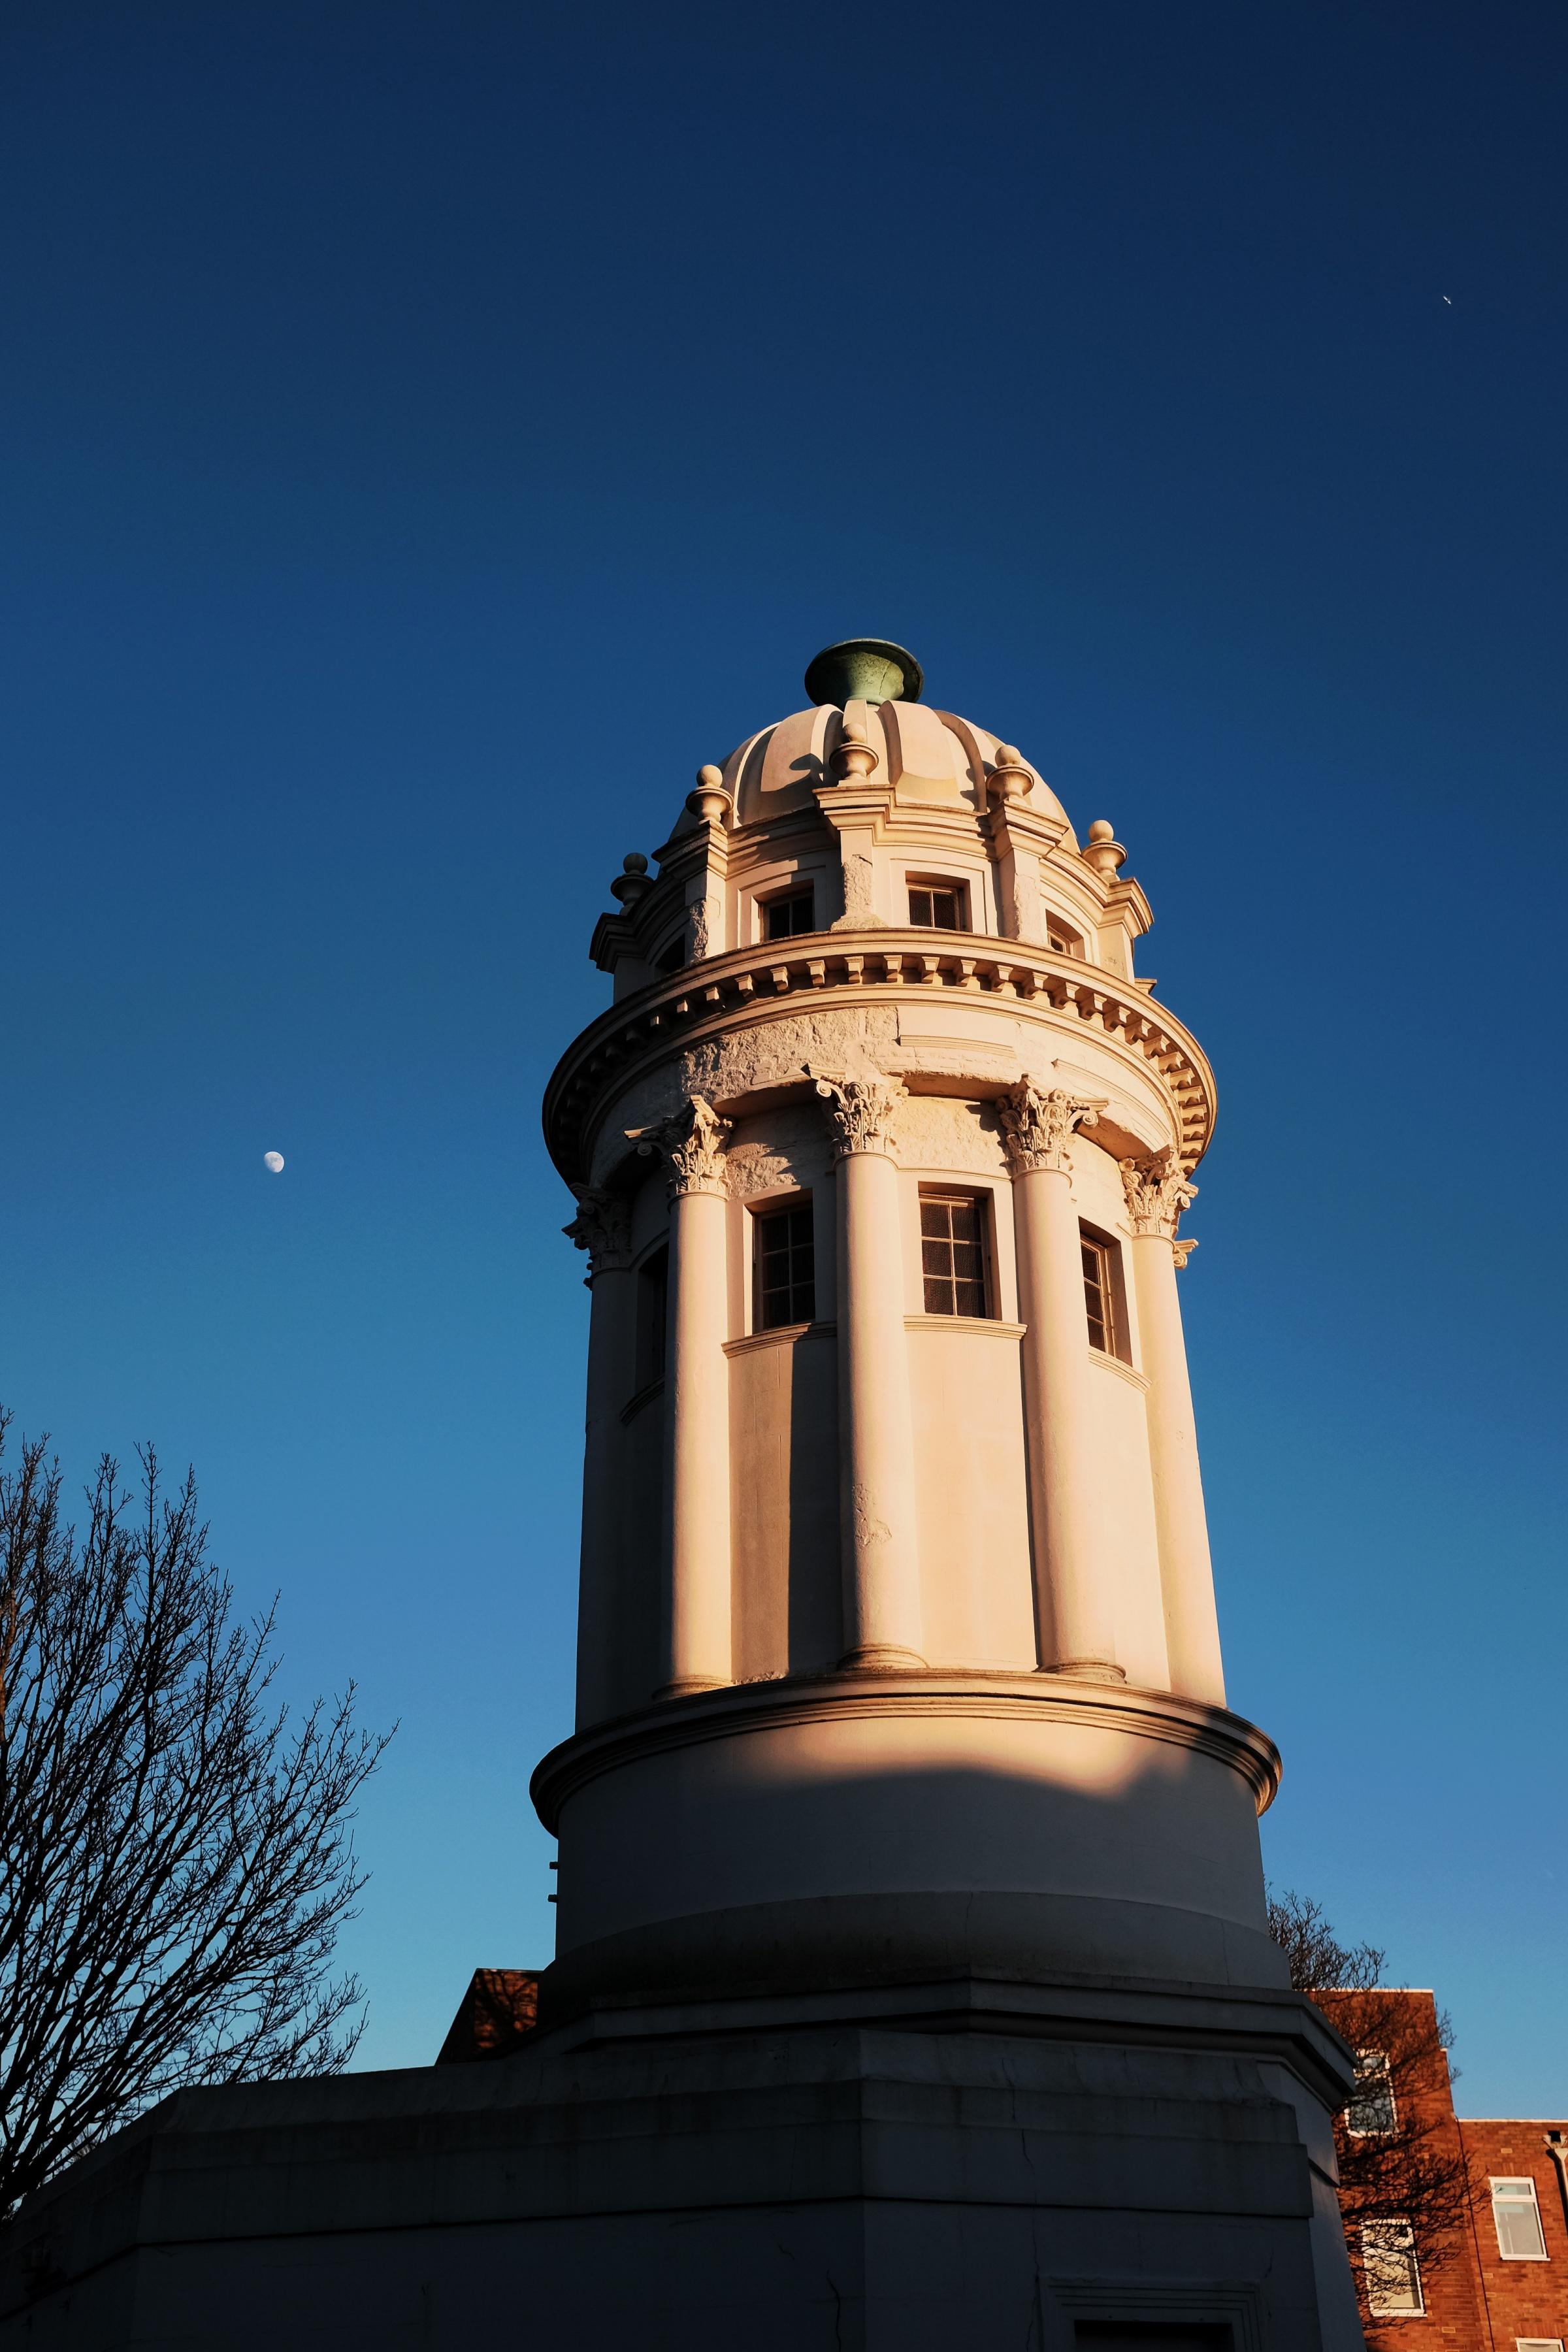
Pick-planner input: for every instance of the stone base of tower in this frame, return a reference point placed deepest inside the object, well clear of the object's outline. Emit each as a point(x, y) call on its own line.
point(984, 2165)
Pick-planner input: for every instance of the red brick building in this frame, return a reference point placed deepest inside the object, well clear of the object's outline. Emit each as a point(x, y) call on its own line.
point(1480, 2263)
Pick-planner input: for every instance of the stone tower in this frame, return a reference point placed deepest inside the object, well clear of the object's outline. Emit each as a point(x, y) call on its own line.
point(900, 1697)
point(912, 1990)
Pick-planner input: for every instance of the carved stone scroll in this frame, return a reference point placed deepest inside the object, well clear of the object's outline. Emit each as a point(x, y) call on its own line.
point(1157, 1193)
point(861, 1110)
point(602, 1227)
point(691, 1145)
point(1038, 1123)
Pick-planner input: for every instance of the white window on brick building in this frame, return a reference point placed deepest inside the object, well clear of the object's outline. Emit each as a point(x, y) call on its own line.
point(1538, 2344)
point(1392, 2273)
point(1518, 2219)
point(1372, 2105)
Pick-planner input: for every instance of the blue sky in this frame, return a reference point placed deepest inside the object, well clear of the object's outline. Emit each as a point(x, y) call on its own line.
point(429, 432)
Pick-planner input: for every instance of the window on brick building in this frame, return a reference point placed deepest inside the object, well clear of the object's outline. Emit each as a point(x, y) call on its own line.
point(785, 1281)
point(790, 918)
point(1518, 2219)
point(1371, 2107)
point(1392, 2273)
point(1538, 2344)
point(952, 1253)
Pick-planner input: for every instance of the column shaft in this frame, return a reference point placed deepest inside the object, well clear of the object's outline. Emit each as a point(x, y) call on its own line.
point(878, 1517)
point(611, 1345)
point(696, 1612)
point(1071, 1603)
point(1187, 1574)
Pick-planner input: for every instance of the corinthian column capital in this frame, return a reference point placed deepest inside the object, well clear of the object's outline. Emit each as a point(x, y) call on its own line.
point(861, 1110)
point(691, 1145)
point(1157, 1193)
point(1040, 1122)
point(602, 1227)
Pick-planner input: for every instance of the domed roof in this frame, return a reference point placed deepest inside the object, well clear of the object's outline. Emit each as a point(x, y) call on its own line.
point(925, 754)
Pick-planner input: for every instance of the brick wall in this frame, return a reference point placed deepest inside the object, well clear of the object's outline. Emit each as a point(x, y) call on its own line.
point(1519, 2299)
point(1476, 2300)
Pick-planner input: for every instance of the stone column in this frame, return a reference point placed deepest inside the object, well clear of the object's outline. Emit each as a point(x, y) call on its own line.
point(877, 1506)
point(602, 1226)
point(1071, 1603)
point(1157, 1193)
point(695, 1612)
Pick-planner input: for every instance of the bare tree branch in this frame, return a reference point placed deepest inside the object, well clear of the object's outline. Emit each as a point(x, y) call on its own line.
point(1414, 2169)
point(176, 1861)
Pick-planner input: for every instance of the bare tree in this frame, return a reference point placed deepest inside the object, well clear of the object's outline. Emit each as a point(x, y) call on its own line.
point(1400, 2158)
point(175, 1860)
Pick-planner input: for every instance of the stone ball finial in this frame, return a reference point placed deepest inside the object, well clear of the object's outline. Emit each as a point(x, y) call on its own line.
point(864, 669)
point(1010, 779)
point(1102, 851)
point(710, 801)
point(633, 880)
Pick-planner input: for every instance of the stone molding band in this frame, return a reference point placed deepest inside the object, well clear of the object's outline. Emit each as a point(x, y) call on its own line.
point(814, 1699)
point(748, 984)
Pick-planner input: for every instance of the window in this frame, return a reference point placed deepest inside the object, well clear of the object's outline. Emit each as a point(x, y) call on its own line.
point(671, 956)
point(1372, 2103)
point(937, 906)
point(785, 1283)
point(1099, 1294)
point(787, 919)
point(1538, 2344)
point(1065, 940)
point(952, 1253)
point(1392, 2273)
point(1518, 2219)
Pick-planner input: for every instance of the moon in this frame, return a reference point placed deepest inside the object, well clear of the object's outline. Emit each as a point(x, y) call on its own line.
point(273, 1159)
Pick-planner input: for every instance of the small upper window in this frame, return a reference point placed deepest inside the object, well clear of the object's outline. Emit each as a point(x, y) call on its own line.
point(1392, 2273)
point(937, 906)
point(788, 918)
point(1058, 936)
point(671, 956)
point(1538, 2344)
point(1518, 2219)
point(1371, 2109)
point(952, 1253)
point(785, 1267)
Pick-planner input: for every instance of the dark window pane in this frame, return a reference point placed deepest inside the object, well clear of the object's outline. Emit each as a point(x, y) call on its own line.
point(1097, 1297)
point(787, 919)
point(934, 909)
point(786, 1286)
point(952, 1260)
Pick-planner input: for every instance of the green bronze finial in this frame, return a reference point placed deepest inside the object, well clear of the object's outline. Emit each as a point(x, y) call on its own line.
point(865, 669)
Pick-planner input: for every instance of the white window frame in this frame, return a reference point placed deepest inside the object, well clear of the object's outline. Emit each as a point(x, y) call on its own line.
point(1538, 2344)
point(1519, 2182)
point(1368, 2063)
point(1405, 2246)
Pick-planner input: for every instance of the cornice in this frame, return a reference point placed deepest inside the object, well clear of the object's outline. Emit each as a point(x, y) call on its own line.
point(742, 1708)
point(752, 984)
